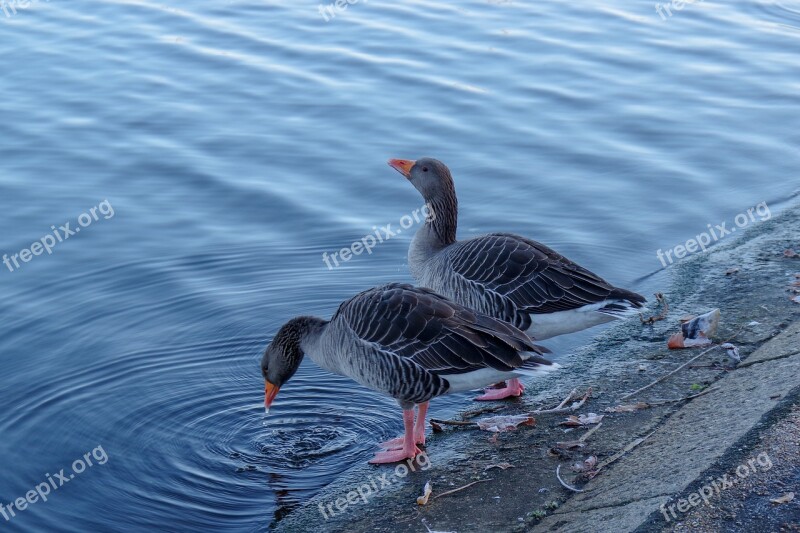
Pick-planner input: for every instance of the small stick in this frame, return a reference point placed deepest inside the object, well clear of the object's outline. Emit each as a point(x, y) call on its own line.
point(568, 398)
point(665, 376)
point(622, 452)
point(562, 409)
point(460, 488)
point(684, 365)
point(482, 410)
point(452, 422)
point(676, 400)
point(558, 476)
point(586, 435)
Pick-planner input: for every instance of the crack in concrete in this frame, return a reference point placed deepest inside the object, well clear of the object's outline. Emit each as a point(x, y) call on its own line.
point(747, 364)
point(613, 506)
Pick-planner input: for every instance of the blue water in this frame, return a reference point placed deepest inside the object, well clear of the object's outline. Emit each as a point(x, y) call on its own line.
point(238, 141)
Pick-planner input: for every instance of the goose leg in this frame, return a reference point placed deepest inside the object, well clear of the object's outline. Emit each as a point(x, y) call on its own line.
point(513, 388)
point(419, 426)
point(409, 449)
point(419, 430)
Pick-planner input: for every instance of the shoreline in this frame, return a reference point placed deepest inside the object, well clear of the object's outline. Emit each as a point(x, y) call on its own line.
point(649, 457)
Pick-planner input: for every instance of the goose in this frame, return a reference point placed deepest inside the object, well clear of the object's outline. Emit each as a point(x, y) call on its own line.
point(508, 277)
point(408, 343)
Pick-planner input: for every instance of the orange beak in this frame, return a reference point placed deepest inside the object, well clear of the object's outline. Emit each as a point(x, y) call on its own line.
point(403, 166)
point(269, 394)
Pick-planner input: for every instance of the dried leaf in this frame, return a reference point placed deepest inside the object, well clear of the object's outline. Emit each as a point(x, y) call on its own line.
point(789, 253)
point(426, 494)
point(582, 420)
point(786, 498)
point(501, 466)
point(627, 408)
point(497, 424)
point(436, 427)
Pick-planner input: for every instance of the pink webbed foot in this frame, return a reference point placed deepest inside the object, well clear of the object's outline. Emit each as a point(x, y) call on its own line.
point(513, 388)
point(394, 456)
point(397, 443)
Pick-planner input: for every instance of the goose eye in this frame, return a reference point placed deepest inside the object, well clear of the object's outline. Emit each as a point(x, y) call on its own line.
point(424, 169)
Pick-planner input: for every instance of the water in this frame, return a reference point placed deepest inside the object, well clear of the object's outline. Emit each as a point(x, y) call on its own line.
point(236, 142)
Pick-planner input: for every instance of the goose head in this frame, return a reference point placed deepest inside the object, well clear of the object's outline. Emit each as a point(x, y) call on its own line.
point(429, 176)
point(283, 356)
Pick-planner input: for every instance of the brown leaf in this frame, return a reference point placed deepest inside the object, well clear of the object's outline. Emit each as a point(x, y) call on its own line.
point(582, 420)
point(628, 408)
point(789, 253)
point(497, 424)
point(501, 466)
point(786, 498)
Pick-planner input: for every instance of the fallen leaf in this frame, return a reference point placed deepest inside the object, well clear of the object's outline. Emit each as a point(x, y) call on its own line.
point(627, 408)
point(786, 498)
point(731, 271)
point(426, 493)
point(497, 424)
point(789, 253)
point(501, 466)
point(436, 427)
point(582, 420)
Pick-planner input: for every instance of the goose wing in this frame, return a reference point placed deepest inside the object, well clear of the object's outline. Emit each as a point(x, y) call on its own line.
point(434, 332)
point(531, 276)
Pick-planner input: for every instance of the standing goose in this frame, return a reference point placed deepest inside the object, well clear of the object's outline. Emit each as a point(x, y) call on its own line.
point(406, 342)
point(505, 276)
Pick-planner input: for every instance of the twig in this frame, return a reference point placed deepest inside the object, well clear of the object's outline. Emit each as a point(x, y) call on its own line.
point(558, 476)
point(665, 376)
point(676, 400)
point(561, 408)
point(661, 316)
point(586, 435)
point(568, 398)
point(482, 410)
point(460, 488)
point(452, 422)
point(622, 452)
point(684, 365)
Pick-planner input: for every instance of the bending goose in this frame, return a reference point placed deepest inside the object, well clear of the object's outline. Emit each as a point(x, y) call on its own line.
point(406, 342)
point(505, 276)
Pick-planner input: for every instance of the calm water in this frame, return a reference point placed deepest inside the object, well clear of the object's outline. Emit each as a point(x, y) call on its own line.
point(238, 141)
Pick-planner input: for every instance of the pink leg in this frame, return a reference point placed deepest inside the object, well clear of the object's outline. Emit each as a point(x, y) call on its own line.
point(409, 449)
point(513, 388)
point(419, 427)
point(419, 430)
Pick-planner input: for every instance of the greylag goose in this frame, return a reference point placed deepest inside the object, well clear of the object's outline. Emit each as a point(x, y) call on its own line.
point(408, 343)
point(505, 276)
